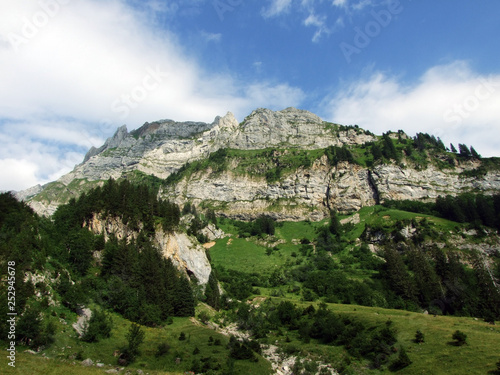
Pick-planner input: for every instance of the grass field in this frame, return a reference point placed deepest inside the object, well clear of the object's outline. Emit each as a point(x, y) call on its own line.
point(59, 357)
point(436, 356)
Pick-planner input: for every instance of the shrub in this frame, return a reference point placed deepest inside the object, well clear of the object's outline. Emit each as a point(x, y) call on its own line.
point(135, 337)
point(460, 338)
point(162, 349)
point(402, 361)
point(99, 326)
point(419, 337)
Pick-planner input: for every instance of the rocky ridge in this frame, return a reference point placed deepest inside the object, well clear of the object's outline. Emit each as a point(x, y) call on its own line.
point(163, 147)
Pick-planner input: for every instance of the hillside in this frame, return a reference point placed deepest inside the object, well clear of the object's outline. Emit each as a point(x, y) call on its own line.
point(289, 163)
point(280, 245)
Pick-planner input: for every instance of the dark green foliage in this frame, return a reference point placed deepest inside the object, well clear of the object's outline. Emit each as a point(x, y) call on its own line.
point(183, 302)
point(419, 337)
point(474, 153)
point(259, 227)
point(335, 227)
point(237, 284)
point(376, 152)
point(336, 155)
point(211, 218)
point(424, 141)
point(135, 337)
point(489, 296)
point(425, 279)
point(98, 327)
point(478, 209)
point(459, 337)
point(463, 150)
point(497, 371)
point(401, 362)
point(373, 343)
point(182, 336)
point(389, 151)
point(453, 149)
point(394, 270)
point(134, 204)
point(143, 285)
point(31, 330)
point(239, 350)
point(212, 293)
point(72, 294)
point(412, 206)
point(163, 349)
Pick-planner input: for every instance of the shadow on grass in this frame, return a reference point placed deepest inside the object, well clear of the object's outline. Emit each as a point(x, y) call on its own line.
point(456, 343)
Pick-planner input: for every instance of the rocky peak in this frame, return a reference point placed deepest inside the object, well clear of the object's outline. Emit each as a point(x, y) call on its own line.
point(112, 142)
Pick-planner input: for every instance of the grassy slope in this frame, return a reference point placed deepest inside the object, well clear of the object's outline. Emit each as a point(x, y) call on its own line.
point(435, 356)
point(67, 345)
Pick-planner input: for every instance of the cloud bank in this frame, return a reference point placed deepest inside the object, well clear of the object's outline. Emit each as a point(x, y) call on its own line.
point(449, 101)
point(76, 70)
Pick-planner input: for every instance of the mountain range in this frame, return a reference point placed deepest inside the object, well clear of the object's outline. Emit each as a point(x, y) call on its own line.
point(276, 162)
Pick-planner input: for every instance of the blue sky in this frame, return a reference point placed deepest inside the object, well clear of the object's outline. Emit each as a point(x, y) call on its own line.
point(72, 71)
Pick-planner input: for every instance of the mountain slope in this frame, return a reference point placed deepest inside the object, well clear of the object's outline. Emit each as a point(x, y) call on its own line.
point(289, 163)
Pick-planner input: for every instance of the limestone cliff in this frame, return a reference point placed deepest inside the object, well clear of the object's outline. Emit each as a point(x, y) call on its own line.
point(186, 254)
point(309, 193)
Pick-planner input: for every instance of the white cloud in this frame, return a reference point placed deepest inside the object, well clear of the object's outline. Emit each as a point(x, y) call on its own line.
point(211, 37)
point(78, 70)
point(320, 23)
point(450, 101)
point(276, 8)
point(36, 154)
point(340, 3)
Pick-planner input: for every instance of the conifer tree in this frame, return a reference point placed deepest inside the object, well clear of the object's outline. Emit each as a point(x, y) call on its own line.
point(463, 150)
point(474, 153)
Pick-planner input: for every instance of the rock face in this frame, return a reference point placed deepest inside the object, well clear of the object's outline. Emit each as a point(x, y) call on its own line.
point(163, 147)
point(310, 193)
point(186, 254)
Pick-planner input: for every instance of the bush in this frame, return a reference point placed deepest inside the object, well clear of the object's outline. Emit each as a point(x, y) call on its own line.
point(419, 337)
point(135, 337)
point(99, 326)
point(460, 338)
point(402, 361)
point(162, 349)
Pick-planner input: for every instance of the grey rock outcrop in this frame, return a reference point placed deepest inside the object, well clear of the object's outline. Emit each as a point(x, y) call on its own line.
point(186, 254)
point(163, 147)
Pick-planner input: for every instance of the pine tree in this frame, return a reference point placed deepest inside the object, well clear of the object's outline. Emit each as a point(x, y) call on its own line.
point(335, 227)
point(212, 293)
point(474, 153)
point(397, 275)
point(184, 302)
point(419, 337)
point(463, 150)
point(453, 149)
point(135, 337)
point(425, 278)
